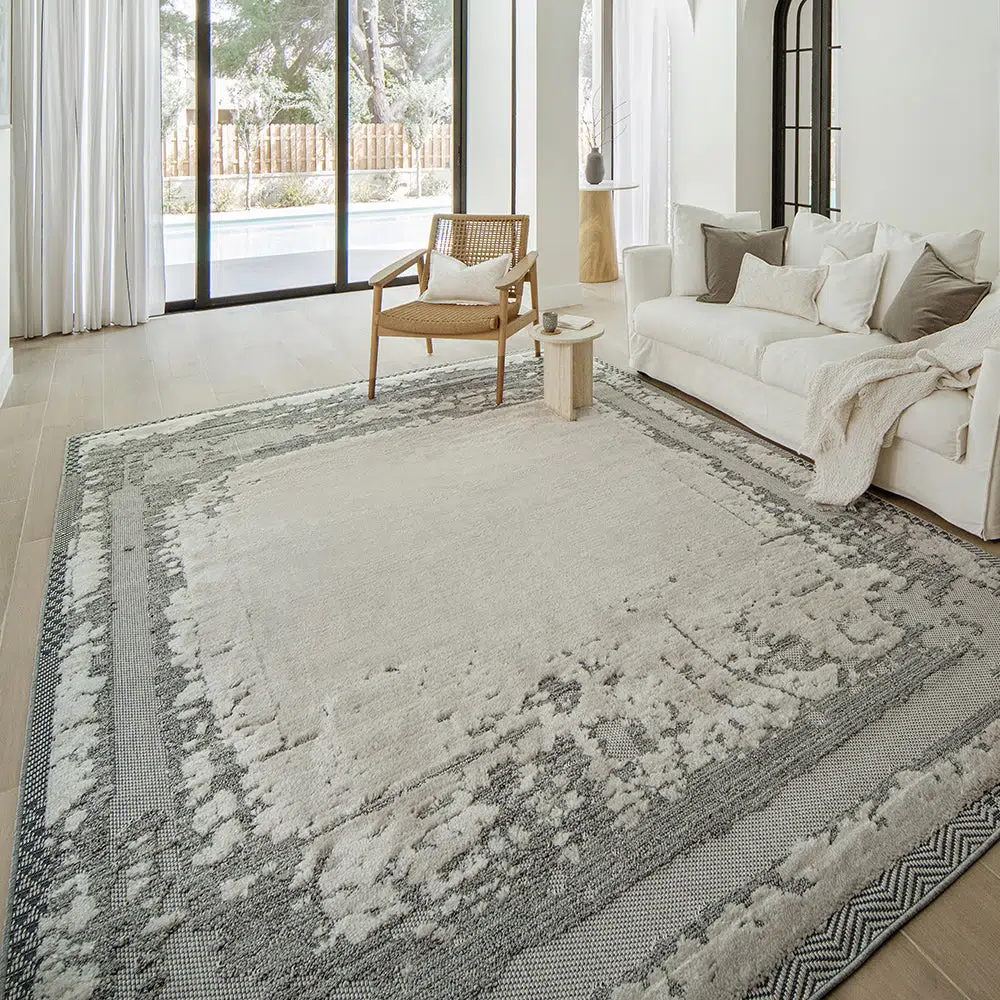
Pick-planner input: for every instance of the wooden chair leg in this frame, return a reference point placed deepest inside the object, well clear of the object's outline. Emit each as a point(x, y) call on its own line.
point(373, 358)
point(373, 364)
point(430, 346)
point(538, 349)
point(501, 363)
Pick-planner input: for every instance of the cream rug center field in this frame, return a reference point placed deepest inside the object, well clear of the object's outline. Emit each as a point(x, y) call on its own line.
point(423, 699)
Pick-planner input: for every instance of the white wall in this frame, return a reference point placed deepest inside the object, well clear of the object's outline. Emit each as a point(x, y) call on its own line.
point(6, 355)
point(554, 107)
point(547, 158)
point(920, 108)
point(488, 152)
point(720, 113)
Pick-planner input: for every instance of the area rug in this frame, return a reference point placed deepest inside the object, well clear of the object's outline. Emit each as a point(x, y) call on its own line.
point(422, 698)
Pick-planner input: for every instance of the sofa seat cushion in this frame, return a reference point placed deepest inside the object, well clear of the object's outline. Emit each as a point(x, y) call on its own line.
point(728, 335)
point(939, 422)
point(792, 363)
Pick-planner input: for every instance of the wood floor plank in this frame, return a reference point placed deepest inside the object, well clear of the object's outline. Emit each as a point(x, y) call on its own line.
point(44, 493)
point(11, 523)
point(960, 933)
point(186, 394)
point(898, 971)
point(131, 395)
point(17, 654)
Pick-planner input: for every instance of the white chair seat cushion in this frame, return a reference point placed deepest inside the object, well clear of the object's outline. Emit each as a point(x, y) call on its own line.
point(939, 422)
point(728, 335)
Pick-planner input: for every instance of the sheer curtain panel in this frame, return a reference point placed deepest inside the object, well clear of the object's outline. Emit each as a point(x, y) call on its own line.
point(87, 211)
point(642, 93)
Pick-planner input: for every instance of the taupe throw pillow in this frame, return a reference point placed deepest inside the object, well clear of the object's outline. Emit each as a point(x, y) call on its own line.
point(933, 297)
point(724, 253)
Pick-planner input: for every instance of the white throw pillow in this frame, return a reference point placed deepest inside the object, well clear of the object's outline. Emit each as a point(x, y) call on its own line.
point(688, 269)
point(790, 290)
point(959, 250)
point(811, 234)
point(847, 299)
point(456, 283)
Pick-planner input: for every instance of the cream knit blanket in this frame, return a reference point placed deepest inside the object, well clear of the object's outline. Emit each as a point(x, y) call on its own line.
point(855, 405)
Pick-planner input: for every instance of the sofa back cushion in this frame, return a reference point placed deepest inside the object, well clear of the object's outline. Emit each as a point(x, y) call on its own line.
point(724, 253)
point(847, 299)
point(933, 298)
point(960, 251)
point(688, 268)
point(811, 234)
point(790, 290)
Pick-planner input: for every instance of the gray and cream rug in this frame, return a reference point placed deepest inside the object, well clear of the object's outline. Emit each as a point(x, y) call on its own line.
point(422, 699)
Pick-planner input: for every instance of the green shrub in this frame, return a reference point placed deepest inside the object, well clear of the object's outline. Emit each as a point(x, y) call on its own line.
point(433, 183)
point(174, 202)
point(227, 196)
point(287, 192)
point(374, 186)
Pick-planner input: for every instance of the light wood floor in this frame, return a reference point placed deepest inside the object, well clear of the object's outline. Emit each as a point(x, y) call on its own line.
point(178, 364)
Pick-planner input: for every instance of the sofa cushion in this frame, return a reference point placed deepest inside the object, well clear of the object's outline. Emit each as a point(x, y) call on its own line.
point(903, 250)
point(728, 335)
point(938, 422)
point(688, 265)
point(811, 234)
point(791, 364)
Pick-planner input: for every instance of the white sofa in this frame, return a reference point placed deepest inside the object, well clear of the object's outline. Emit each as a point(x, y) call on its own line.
point(756, 366)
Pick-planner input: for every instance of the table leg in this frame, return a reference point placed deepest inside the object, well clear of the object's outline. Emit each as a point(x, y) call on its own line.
point(559, 364)
point(598, 251)
point(583, 374)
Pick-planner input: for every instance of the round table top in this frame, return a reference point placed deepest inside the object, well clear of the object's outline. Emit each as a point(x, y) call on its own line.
point(567, 336)
point(608, 186)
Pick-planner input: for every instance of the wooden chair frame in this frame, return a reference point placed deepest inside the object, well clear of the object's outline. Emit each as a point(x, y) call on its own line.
point(471, 239)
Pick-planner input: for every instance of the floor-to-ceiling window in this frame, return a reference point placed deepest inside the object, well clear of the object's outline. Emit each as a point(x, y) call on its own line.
point(306, 143)
point(806, 168)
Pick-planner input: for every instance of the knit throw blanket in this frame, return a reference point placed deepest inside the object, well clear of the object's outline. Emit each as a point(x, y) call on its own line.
point(855, 405)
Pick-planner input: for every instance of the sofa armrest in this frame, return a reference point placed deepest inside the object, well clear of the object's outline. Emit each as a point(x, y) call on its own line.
point(983, 449)
point(647, 276)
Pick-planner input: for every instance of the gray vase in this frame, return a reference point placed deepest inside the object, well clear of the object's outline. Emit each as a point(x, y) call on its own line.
point(594, 170)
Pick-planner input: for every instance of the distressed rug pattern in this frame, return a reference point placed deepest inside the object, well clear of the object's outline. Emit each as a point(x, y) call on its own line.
point(423, 699)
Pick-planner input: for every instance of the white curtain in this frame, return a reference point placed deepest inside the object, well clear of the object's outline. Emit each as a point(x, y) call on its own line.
point(87, 210)
point(642, 92)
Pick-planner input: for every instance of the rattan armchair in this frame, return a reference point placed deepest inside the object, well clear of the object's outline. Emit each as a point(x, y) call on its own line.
point(471, 239)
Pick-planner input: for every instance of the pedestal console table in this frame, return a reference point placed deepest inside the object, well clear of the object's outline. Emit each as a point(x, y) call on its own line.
point(598, 250)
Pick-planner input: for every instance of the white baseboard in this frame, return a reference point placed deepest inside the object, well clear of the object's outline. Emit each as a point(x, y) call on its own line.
point(560, 296)
point(6, 372)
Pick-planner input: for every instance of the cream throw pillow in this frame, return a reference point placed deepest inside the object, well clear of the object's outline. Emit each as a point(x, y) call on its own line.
point(456, 283)
point(848, 296)
point(790, 290)
point(811, 234)
point(960, 251)
point(688, 267)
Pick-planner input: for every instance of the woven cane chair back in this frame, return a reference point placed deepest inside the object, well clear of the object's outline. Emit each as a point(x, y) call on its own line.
point(473, 239)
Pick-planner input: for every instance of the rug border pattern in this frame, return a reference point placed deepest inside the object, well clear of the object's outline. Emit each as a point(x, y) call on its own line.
point(821, 962)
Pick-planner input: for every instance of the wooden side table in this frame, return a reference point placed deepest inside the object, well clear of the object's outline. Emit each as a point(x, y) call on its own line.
point(598, 248)
point(569, 368)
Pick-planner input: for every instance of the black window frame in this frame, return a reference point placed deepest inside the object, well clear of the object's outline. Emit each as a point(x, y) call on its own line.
point(203, 220)
point(787, 49)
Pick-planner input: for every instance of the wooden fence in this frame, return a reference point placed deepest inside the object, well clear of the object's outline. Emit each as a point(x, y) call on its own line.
point(304, 149)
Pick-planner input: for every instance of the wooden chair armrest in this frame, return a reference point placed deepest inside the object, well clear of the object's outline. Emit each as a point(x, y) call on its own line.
point(516, 275)
point(393, 271)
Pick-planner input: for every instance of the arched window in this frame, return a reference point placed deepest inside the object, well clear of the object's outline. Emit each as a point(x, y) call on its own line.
point(806, 164)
